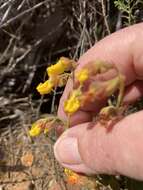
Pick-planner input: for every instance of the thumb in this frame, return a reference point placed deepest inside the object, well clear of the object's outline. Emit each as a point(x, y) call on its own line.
point(94, 150)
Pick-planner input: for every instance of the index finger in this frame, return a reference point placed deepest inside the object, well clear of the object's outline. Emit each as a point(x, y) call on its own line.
point(123, 48)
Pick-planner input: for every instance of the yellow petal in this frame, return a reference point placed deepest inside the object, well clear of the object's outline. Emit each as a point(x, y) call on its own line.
point(82, 75)
point(64, 64)
point(45, 88)
point(55, 69)
point(72, 104)
point(35, 131)
point(68, 172)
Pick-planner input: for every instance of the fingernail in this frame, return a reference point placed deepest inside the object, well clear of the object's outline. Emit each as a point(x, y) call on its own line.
point(66, 151)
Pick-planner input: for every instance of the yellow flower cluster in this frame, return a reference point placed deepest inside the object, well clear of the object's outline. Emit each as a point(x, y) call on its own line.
point(73, 103)
point(46, 87)
point(72, 177)
point(60, 67)
point(64, 64)
point(82, 75)
point(35, 130)
point(41, 125)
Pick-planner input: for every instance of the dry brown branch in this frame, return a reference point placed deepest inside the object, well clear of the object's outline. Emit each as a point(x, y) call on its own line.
point(22, 14)
point(105, 16)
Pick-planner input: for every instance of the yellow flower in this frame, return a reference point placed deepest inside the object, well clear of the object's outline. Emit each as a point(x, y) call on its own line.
point(64, 64)
point(82, 75)
point(68, 171)
point(46, 87)
point(72, 177)
point(73, 103)
point(55, 69)
point(35, 130)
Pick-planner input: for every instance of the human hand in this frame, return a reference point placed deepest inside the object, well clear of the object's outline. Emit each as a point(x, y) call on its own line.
point(94, 151)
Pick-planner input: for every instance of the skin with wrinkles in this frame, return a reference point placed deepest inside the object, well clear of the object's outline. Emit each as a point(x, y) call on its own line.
point(121, 150)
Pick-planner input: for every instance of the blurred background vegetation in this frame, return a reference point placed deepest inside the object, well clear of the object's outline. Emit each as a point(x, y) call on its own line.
point(33, 35)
